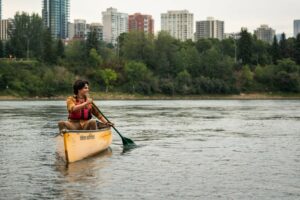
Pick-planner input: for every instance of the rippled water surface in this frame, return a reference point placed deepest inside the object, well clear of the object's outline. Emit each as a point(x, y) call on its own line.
point(188, 150)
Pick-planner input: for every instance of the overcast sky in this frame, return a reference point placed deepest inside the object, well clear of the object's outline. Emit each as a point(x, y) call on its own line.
point(236, 13)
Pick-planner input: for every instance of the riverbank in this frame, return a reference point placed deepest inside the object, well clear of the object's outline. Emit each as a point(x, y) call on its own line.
point(124, 96)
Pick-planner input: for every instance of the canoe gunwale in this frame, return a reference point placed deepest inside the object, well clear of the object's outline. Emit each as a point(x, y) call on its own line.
point(86, 131)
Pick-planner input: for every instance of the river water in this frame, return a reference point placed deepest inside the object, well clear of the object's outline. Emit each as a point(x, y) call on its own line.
point(209, 149)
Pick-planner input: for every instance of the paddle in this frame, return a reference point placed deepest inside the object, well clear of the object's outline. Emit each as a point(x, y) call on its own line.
point(127, 143)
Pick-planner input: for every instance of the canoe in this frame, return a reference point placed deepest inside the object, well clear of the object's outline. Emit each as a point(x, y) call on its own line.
point(80, 144)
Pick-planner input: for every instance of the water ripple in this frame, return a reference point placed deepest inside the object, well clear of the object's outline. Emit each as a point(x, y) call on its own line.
point(187, 150)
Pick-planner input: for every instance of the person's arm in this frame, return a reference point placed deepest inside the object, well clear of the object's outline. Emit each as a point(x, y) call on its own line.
point(100, 117)
point(80, 106)
point(72, 107)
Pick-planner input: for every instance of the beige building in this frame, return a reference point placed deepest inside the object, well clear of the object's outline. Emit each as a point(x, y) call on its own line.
point(265, 33)
point(4, 26)
point(235, 36)
point(179, 24)
point(209, 28)
point(71, 30)
point(80, 28)
point(98, 28)
point(114, 24)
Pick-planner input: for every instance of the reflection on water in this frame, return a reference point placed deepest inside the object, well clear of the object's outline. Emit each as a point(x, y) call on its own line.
point(83, 169)
point(187, 150)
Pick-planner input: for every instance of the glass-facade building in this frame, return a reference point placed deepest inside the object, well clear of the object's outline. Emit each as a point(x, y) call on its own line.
point(296, 27)
point(56, 16)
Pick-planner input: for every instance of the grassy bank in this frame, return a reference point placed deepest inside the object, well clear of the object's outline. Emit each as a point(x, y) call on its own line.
point(125, 96)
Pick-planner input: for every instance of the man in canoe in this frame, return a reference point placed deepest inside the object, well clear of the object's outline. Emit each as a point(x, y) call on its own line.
point(81, 110)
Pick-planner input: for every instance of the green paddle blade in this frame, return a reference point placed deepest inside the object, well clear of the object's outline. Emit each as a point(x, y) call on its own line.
point(128, 144)
point(127, 141)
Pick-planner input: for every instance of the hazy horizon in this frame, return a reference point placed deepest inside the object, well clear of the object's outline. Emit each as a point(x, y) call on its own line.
point(250, 14)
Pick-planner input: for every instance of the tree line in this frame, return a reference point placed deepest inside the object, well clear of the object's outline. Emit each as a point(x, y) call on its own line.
point(145, 64)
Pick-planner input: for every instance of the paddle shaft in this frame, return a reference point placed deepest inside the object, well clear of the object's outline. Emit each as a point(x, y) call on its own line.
point(107, 119)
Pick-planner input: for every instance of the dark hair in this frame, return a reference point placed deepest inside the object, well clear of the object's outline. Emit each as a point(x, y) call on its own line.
point(78, 85)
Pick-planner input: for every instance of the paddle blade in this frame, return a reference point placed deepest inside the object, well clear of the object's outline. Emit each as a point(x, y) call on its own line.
point(128, 143)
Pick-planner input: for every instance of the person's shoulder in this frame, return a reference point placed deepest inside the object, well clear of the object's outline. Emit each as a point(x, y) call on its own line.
point(71, 98)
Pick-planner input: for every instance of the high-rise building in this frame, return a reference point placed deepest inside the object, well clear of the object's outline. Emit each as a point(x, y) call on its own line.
point(265, 33)
point(55, 15)
point(139, 22)
point(179, 24)
point(98, 28)
point(296, 27)
point(71, 30)
point(114, 23)
point(80, 28)
point(234, 36)
point(278, 37)
point(209, 28)
point(5, 25)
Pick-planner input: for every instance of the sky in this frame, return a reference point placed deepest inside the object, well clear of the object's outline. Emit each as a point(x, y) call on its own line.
point(278, 14)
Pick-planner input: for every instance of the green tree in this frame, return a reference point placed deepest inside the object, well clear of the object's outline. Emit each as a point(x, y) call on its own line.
point(121, 39)
point(8, 49)
point(108, 76)
point(287, 82)
point(167, 86)
point(246, 78)
point(189, 59)
point(20, 34)
point(166, 55)
point(283, 47)
point(260, 55)
point(291, 43)
point(245, 47)
point(56, 81)
point(275, 51)
point(95, 60)
point(1, 49)
point(203, 45)
point(288, 66)
point(138, 46)
point(214, 65)
point(183, 82)
point(60, 49)
point(26, 35)
point(265, 76)
point(36, 30)
point(138, 76)
point(76, 59)
point(228, 47)
point(297, 50)
point(92, 41)
point(49, 55)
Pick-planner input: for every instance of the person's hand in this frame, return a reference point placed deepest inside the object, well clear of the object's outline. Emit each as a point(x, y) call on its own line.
point(109, 124)
point(89, 101)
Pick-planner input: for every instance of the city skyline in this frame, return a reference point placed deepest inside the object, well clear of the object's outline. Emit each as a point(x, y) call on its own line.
point(236, 15)
point(55, 16)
